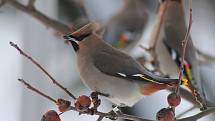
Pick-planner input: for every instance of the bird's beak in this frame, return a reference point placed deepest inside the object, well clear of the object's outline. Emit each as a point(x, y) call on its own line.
point(72, 40)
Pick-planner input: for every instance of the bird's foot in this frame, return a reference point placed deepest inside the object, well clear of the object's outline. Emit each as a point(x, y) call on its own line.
point(113, 115)
point(95, 100)
point(116, 109)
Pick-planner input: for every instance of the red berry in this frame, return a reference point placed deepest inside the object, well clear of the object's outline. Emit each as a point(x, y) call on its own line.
point(82, 103)
point(174, 99)
point(51, 115)
point(165, 114)
point(63, 105)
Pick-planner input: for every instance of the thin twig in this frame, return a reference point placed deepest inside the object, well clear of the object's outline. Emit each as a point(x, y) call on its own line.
point(113, 115)
point(47, 21)
point(31, 3)
point(157, 26)
point(181, 68)
point(187, 95)
point(100, 118)
point(116, 115)
point(42, 69)
point(2, 3)
point(36, 90)
point(184, 45)
point(158, 23)
point(110, 115)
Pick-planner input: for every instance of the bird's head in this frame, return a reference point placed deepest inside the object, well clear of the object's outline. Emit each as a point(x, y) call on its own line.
point(80, 36)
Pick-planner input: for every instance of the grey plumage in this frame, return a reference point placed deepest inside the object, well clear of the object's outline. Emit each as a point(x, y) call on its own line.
point(112, 61)
point(110, 71)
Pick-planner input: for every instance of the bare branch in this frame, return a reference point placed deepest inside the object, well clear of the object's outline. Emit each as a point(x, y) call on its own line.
point(184, 45)
point(157, 25)
point(31, 3)
point(2, 3)
point(63, 29)
point(188, 96)
point(42, 69)
point(54, 24)
point(181, 69)
point(36, 90)
point(100, 118)
point(113, 115)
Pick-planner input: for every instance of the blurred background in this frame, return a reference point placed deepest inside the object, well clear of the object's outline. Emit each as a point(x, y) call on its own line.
point(46, 46)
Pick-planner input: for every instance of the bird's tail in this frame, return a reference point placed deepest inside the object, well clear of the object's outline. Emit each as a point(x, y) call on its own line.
point(159, 84)
point(159, 80)
point(168, 81)
point(172, 82)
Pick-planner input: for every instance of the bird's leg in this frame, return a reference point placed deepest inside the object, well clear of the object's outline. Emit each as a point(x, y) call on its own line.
point(95, 100)
point(116, 108)
point(96, 103)
point(113, 115)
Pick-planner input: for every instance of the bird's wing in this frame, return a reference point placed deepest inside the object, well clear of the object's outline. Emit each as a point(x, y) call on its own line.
point(120, 65)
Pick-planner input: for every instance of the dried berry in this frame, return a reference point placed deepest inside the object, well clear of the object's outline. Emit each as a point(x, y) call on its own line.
point(165, 114)
point(63, 105)
point(51, 115)
point(174, 99)
point(82, 103)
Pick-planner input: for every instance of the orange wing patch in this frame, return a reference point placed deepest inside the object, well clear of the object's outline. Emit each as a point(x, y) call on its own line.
point(148, 89)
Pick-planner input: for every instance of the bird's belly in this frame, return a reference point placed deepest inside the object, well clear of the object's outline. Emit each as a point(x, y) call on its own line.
point(121, 92)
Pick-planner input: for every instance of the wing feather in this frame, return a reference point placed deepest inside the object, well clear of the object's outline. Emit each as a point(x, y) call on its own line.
point(120, 65)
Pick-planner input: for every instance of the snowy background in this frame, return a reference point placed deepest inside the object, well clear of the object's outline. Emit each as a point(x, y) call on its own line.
point(19, 104)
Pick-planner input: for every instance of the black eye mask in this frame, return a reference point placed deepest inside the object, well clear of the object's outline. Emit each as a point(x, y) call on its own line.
point(72, 40)
point(78, 38)
point(74, 45)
